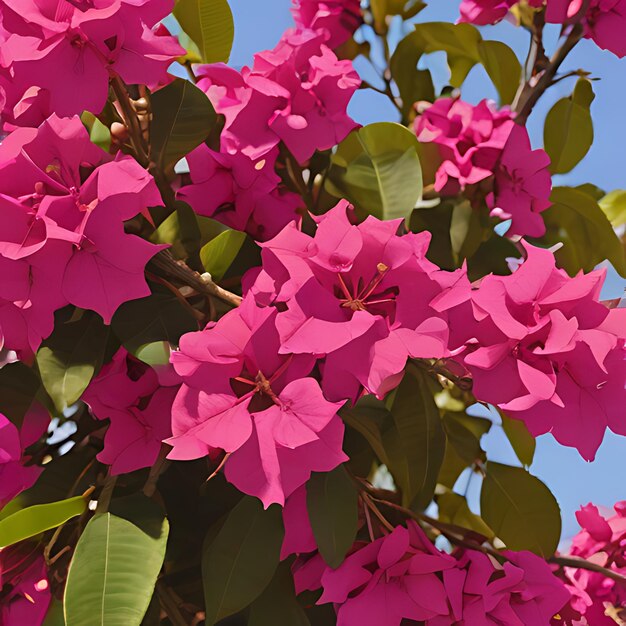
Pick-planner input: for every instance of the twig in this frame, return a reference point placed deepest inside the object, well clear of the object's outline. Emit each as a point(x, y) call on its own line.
point(579, 563)
point(170, 604)
point(160, 465)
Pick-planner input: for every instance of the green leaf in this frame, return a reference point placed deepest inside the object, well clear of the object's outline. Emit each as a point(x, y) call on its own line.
point(71, 356)
point(218, 255)
point(158, 317)
point(453, 509)
point(614, 207)
point(503, 68)
point(19, 386)
point(240, 562)
point(37, 519)
point(568, 129)
point(378, 169)
point(278, 603)
point(577, 220)
point(332, 502)
point(521, 440)
point(182, 118)
point(416, 446)
point(367, 417)
point(113, 572)
point(210, 25)
point(520, 509)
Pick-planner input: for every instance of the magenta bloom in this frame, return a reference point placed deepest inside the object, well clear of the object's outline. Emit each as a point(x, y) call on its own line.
point(546, 351)
point(403, 576)
point(15, 477)
point(138, 403)
point(480, 145)
point(244, 194)
point(601, 541)
point(522, 185)
point(337, 18)
point(60, 54)
point(358, 296)
point(483, 12)
point(63, 204)
point(25, 588)
point(261, 407)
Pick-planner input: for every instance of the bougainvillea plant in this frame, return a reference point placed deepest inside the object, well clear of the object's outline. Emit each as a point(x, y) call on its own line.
point(246, 344)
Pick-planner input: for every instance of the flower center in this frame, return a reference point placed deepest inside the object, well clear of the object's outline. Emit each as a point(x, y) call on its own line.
point(359, 300)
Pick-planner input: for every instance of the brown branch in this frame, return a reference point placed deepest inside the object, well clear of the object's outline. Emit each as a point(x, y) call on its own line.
point(579, 563)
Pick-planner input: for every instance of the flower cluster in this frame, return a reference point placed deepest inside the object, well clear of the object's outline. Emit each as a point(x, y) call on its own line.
point(15, 476)
point(264, 409)
point(603, 21)
point(357, 296)
point(603, 542)
point(56, 56)
point(24, 586)
point(482, 147)
point(63, 204)
point(403, 576)
point(294, 96)
point(137, 400)
point(546, 351)
point(338, 18)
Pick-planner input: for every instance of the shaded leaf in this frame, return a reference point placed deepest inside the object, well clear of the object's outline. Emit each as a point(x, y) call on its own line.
point(520, 509)
point(182, 118)
point(568, 129)
point(210, 25)
point(71, 356)
point(378, 169)
point(521, 440)
point(37, 519)
point(240, 562)
point(218, 255)
point(416, 446)
point(502, 66)
point(332, 502)
point(19, 386)
point(453, 509)
point(368, 417)
point(113, 573)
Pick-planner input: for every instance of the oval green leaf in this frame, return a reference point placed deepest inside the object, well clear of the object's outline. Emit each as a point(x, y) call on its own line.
point(210, 25)
point(502, 66)
point(37, 519)
point(240, 562)
point(520, 510)
point(332, 503)
point(378, 169)
point(217, 256)
point(522, 442)
point(614, 207)
point(113, 573)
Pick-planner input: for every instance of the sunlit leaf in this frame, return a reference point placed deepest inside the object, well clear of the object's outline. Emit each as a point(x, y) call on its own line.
point(218, 255)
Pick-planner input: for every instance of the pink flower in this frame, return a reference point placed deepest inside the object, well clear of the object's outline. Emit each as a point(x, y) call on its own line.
point(546, 351)
point(522, 185)
point(337, 18)
point(138, 403)
point(601, 541)
point(63, 203)
point(60, 54)
point(261, 407)
point(483, 12)
point(244, 194)
point(480, 145)
point(314, 89)
point(299, 538)
point(403, 576)
point(604, 21)
point(25, 588)
point(16, 477)
point(356, 295)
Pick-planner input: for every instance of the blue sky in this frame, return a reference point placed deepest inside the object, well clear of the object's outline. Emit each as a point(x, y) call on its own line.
point(259, 25)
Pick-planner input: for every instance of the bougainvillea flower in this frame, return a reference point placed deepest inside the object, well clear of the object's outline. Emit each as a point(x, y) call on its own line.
point(601, 541)
point(67, 51)
point(24, 583)
point(483, 12)
point(604, 21)
point(239, 192)
point(260, 407)
point(356, 295)
point(546, 351)
point(134, 398)
point(403, 576)
point(63, 204)
point(337, 18)
point(15, 477)
point(299, 538)
point(522, 185)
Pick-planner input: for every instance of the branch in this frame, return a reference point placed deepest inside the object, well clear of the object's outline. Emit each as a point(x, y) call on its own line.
point(531, 95)
point(579, 563)
point(201, 283)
